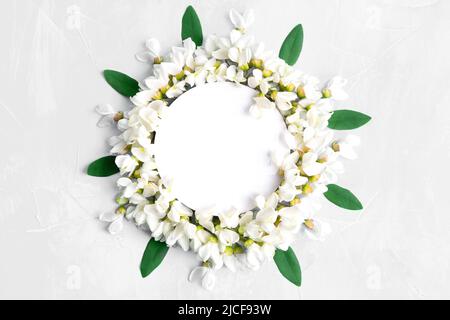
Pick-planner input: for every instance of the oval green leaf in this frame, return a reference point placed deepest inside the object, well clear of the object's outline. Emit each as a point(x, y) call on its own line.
point(191, 27)
point(343, 198)
point(288, 265)
point(292, 46)
point(348, 120)
point(104, 167)
point(122, 83)
point(153, 256)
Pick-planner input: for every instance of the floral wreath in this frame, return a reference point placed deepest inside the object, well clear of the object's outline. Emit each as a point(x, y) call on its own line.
point(309, 171)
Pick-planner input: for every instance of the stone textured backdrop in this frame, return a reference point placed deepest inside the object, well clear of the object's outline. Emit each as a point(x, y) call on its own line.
point(395, 54)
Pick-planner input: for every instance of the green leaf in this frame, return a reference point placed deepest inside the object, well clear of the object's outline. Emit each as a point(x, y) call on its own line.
point(292, 46)
point(191, 27)
point(348, 120)
point(103, 167)
point(153, 256)
point(288, 265)
point(122, 83)
point(342, 198)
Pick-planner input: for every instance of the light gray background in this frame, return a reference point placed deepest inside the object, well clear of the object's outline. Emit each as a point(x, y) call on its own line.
point(396, 55)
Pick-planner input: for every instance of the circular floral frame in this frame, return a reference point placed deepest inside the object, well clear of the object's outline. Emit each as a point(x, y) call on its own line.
point(309, 171)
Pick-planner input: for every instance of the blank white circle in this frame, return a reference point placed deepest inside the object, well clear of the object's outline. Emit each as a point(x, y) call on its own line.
point(214, 152)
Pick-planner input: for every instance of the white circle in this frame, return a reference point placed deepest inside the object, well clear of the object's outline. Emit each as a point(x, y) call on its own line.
point(214, 152)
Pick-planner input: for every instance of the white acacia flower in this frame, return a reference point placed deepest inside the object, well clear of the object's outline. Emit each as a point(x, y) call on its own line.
point(242, 21)
point(335, 89)
point(152, 52)
point(199, 238)
point(284, 100)
point(118, 145)
point(258, 80)
point(310, 164)
point(154, 217)
point(148, 116)
point(176, 90)
point(256, 255)
point(181, 234)
point(148, 172)
point(288, 192)
point(347, 147)
point(245, 219)
point(291, 218)
point(139, 214)
point(179, 211)
point(229, 218)
point(205, 217)
point(166, 196)
point(280, 238)
point(260, 53)
point(235, 75)
point(261, 104)
point(115, 222)
point(207, 277)
point(222, 73)
point(270, 203)
point(310, 88)
point(236, 48)
point(316, 229)
point(333, 167)
point(230, 261)
point(143, 152)
point(126, 164)
point(108, 115)
point(129, 187)
point(143, 98)
point(210, 252)
point(266, 219)
point(135, 134)
point(228, 237)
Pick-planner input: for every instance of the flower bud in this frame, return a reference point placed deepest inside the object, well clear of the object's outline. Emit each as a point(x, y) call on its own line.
point(165, 89)
point(249, 243)
point(273, 95)
point(158, 96)
point(238, 250)
point(267, 73)
point(228, 251)
point(278, 221)
point(256, 63)
point(307, 189)
point(301, 92)
point(121, 211)
point(157, 60)
point(245, 67)
point(309, 223)
point(187, 69)
point(326, 93)
point(180, 76)
point(309, 107)
point(121, 201)
point(213, 239)
point(295, 202)
point(137, 174)
point(290, 87)
point(336, 147)
point(118, 116)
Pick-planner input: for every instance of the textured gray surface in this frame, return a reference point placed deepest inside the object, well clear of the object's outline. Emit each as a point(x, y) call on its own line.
point(395, 53)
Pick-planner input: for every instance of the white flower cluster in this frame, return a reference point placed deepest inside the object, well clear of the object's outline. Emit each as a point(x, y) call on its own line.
point(230, 238)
